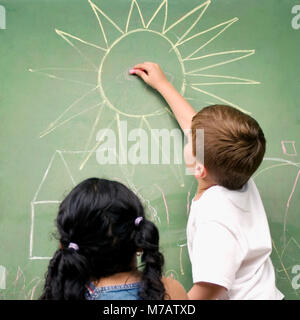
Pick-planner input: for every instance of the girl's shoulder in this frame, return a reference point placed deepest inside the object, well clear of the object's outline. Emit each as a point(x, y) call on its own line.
point(174, 289)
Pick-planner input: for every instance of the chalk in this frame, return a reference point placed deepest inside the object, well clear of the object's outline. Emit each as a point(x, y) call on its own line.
point(132, 71)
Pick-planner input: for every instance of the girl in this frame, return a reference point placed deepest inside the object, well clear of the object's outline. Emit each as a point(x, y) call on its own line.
point(102, 228)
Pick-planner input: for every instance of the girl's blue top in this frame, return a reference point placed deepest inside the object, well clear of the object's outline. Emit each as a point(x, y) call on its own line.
point(118, 292)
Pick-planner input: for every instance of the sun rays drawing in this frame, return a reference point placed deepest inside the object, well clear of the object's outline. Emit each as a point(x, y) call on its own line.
point(179, 51)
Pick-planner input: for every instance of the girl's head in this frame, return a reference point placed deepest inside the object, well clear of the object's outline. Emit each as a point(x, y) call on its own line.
point(99, 216)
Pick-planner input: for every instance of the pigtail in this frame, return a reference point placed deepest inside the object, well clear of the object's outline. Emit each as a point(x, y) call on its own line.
point(52, 288)
point(68, 272)
point(147, 240)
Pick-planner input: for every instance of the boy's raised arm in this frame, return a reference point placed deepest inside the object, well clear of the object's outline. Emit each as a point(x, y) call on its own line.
point(152, 74)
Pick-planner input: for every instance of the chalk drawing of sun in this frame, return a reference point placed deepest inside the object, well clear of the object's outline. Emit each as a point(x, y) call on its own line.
point(171, 44)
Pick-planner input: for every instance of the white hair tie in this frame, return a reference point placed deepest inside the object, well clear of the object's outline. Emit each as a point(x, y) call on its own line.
point(138, 220)
point(74, 246)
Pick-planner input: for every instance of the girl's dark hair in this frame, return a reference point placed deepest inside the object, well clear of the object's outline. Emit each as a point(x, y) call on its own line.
point(98, 215)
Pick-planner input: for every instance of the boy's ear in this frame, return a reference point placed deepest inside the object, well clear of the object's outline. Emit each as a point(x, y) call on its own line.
point(200, 171)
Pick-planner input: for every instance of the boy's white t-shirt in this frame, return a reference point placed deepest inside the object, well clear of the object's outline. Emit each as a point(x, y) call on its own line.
point(229, 243)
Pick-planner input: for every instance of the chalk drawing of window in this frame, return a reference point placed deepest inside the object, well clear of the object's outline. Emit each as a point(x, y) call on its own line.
point(288, 148)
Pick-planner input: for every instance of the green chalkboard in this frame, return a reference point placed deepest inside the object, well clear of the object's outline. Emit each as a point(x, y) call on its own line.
point(64, 78)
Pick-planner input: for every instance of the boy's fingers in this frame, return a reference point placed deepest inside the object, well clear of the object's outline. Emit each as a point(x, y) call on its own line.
point(143, 66)
point(139, 65)
point(141, 74)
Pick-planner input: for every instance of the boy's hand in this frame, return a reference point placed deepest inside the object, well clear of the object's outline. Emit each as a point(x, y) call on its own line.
point(151, 73)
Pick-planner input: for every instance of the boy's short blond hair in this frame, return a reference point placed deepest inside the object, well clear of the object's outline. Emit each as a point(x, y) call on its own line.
point(234, 144)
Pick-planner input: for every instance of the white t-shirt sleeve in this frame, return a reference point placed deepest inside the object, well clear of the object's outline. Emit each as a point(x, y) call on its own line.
point(216, 254)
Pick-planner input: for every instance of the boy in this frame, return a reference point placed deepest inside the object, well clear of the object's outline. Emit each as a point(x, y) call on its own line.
point(228, 235)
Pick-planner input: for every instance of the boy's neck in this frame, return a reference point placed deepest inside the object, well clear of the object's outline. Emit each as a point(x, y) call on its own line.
point(202, 187)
